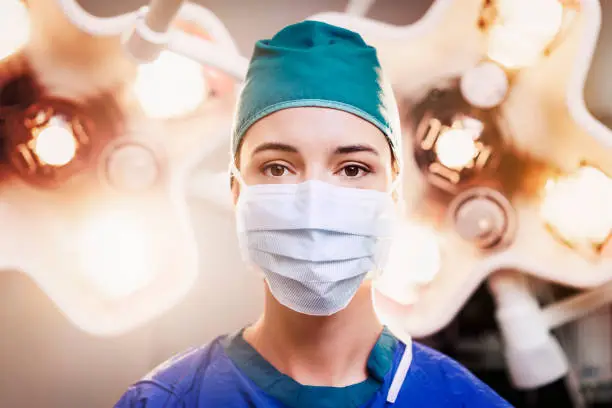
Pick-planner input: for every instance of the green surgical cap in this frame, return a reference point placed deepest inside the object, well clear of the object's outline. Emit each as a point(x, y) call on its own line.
point(318, 65)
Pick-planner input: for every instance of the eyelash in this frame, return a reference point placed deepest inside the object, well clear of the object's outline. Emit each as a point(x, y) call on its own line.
point(265, 169)
point(365, 171)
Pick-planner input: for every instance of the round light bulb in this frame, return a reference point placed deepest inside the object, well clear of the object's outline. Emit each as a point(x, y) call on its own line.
point(456, 148)
point(132, 167)
point(484, 86)
point(414, 259)
point(523, 30)
point(14, 27)
point(55, 145)
point(540, 19)
point(115, 253)
point(513, 49)
point(579, 207)
point(170, 86)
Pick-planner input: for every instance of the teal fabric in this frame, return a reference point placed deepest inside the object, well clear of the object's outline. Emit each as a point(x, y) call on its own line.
point(206, 377)
point(291, 393)
point(319, 65)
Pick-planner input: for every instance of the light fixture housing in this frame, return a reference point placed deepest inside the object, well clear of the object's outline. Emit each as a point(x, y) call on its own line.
point(455, 144)
point(577, 209)
point(24, 130)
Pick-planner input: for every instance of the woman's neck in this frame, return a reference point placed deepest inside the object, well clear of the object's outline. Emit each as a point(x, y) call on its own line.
point(313, 350)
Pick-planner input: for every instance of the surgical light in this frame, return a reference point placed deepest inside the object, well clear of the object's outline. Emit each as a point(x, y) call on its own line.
point(414, 260)
point(55, 144)
point(170, 86)
point(523, 30)
point(578, 207)
point(513, 49)
point(456, 148)
point(131, 167)
point(483, 217)
point(114, 252)
point(484, 86)
point(540, 18)
point(456, 144)
point(14, 27)
point(49, 141)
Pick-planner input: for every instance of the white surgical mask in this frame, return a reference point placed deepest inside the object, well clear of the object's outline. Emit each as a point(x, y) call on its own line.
point(315, 242)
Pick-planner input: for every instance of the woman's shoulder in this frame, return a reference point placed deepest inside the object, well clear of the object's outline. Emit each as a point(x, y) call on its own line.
point(436, 363)
point(175, 378)
point(437, 374)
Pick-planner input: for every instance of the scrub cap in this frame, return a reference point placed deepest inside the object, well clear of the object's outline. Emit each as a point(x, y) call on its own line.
point(318, 65)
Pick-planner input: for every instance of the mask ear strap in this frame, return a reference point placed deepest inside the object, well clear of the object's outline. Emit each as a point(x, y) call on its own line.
point(234, 172)
point(397, 192)
point(396, 186)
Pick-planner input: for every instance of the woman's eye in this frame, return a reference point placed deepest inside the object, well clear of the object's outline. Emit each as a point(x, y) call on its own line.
point(276, 170)
point(354, 171)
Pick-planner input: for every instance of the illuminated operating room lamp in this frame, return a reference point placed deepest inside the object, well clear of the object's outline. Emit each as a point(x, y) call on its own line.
point(131, 167)
point(523, 30)
point(55, 144)
point(170, 86)
point(484, 86)
point(14, 27)
point(110, 261)
point(113, 251)
point(540, 18)
point(414, 260)
point(579, 206)
point(456, 148)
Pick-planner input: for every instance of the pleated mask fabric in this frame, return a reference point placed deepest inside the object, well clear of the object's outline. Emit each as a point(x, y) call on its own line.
point(314, 242)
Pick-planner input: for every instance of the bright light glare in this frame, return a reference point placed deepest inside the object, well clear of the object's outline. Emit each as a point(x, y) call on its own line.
point(523, 30)
point(170, 86)
point(14, 27)
point(132, 167)
point(579, 207)
point(540, 18)
point(485, 85)
point(456, 148)
point(116, 254)
point(414, 260)
point(513, 49)
point(55, 145)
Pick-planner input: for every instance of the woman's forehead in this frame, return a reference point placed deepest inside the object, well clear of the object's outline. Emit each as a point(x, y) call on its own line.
point(314, 129)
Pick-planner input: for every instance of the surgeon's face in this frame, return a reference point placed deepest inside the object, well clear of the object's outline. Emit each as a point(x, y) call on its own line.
point(299, 144)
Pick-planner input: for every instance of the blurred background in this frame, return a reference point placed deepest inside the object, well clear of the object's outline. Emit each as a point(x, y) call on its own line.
point(46, 360)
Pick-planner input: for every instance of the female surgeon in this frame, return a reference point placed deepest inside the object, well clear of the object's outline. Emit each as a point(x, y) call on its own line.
point(316, 163)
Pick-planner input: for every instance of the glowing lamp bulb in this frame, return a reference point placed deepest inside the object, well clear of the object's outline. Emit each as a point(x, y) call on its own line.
point(541, 19)
point(523, 30)
point(456, 148)
point(485, 85)
point(579, 207)
point(513, 49)
point(55, 144)
point(14, 27)
point(170, 86)
point(414, 260)
point(115, 253)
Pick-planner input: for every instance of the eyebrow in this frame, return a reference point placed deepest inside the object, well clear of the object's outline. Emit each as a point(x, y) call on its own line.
point(341, 150)
point(356, 149)
point(282, 147)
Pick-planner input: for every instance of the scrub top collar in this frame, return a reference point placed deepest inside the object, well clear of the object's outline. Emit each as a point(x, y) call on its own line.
point(295, 395)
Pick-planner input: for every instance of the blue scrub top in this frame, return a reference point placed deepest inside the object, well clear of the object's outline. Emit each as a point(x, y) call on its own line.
point(229, 373)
